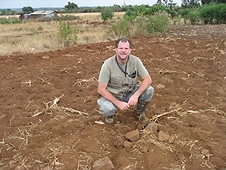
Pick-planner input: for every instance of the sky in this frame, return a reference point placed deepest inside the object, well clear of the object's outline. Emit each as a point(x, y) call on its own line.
point(9, 4)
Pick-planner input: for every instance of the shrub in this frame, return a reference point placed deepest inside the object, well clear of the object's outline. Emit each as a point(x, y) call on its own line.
point(220, 14)
point(119, 29)
point(193, 17)
point(207, 13)
point(129, 15)
point(158, 8)
point(140, 26)
point(67, 33)
point(107, 14)
point(158, 23)
point(11, 21)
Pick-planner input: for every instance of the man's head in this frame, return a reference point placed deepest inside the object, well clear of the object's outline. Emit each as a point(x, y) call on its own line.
point(123, 40)
point(123, 49)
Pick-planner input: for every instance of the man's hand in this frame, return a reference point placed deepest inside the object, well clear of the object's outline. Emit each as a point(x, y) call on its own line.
point(122, 105)
point(133, 100)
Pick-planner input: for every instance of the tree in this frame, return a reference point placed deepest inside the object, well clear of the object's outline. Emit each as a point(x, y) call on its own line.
point(27, 9)
point(214, 1)
point(107, 14)
point(71, 6)
point(190, 3)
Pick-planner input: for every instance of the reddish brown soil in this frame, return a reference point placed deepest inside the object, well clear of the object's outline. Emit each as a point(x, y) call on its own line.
point(187, 66)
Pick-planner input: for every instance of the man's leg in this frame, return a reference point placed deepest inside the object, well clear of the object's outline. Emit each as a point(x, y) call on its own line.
point(107, 109)
point(143, 101)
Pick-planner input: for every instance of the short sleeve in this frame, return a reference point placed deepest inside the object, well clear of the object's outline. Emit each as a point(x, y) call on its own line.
point(104, 75)
point(142, 71)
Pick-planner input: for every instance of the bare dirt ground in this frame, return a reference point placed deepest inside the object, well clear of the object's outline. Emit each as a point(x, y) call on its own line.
point(49, 117)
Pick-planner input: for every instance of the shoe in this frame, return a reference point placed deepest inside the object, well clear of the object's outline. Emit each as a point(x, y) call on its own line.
point(140, 117)
point(109, 119)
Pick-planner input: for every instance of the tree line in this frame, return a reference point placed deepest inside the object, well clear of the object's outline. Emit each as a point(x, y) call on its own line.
point(72, 7)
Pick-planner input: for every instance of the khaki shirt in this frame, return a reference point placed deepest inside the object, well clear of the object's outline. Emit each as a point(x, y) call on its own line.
point(120, 81)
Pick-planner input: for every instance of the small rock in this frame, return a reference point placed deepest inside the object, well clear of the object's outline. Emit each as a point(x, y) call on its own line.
point(128, 144)
point(192, 124)
point(163, 136)
point(153, 127)
point(103, 164)
point(141, 125)
point(118, 142)
point(144, 149)
point(133, 135)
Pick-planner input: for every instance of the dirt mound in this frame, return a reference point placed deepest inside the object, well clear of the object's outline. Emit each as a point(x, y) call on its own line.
point(49, 116)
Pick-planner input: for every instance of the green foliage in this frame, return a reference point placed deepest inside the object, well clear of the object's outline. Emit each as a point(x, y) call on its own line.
point(190, 14)
point(71, 6)
point(220, 14)
point(211, 13)
point(129, 15)
point(193, 17)
point(140, 26)
point(58, 18)
point(158, 8)
point(208, 14)
point(120, 28)
point(67, 33)
point(205, 2)
point(7, 12)
point(140, 10)
point(27, 9)
point(10, 21)
point(106, 14)
point(158, 23)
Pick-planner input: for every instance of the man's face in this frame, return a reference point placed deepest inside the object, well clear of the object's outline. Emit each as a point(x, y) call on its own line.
point(123, 50)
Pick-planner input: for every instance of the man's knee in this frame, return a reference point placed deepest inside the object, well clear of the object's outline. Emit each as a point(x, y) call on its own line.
point(147, 95)
point(106, 107)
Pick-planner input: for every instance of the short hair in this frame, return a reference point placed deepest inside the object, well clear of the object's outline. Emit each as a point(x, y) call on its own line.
point(123, 40)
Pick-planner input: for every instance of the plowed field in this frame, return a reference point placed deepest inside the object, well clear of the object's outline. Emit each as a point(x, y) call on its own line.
point(49, 117)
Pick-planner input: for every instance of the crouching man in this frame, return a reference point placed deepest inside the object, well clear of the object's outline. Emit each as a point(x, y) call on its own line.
point(117, 83)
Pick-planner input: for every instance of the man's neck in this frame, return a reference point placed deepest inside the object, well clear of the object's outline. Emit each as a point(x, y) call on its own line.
point(120, 61)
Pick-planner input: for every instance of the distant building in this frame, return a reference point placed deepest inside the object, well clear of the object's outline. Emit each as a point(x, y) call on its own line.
point(38, 14)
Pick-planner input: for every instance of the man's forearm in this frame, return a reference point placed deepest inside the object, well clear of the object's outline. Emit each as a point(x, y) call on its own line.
point(107, 95)
point(144, 85)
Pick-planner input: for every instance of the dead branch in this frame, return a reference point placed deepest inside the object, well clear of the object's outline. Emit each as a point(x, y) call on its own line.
point(43, 81)
point(73, 111)
point(27, 82)
point(154, 118)
point(52, 105)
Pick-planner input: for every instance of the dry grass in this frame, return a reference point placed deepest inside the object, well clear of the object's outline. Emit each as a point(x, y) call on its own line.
point(34, 37)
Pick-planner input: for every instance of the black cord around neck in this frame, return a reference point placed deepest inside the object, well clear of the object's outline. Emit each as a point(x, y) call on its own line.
point(131, 76)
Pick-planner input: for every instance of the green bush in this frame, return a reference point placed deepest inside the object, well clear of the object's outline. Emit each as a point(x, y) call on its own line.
point(129, 15)
point(120, 28)
point(158, 23)
point(160, 8)
point(140, 10)
point(140, 26)
point(207, 13)
point(220, 13)
point(185, 13)
point(107, 14)
point(155, 8)
point(58, 18)
point(11, 21)
point(67, 33)
point(193, 17)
